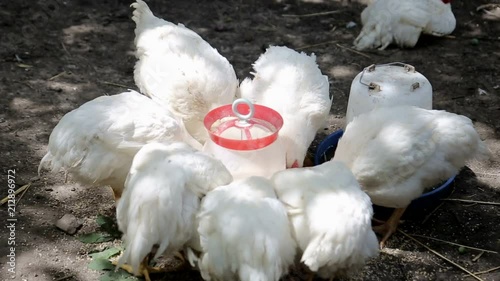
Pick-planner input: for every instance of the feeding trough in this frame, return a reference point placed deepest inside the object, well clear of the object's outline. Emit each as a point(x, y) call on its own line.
point(244, 136)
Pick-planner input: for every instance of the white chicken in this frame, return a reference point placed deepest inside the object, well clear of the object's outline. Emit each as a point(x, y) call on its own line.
point(331, 217)
point(397, 152)
point(96, 142)
point(245, 233)
point(177, 68)
point(402, 21)
point(157, 212)
point(292, 84)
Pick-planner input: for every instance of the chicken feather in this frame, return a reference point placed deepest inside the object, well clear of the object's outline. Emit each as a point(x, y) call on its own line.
point(97, 141)
point(161, 198)
point(292, 84)
point(245, 233)
point(402, 22)
point(331, 217)
point(180, 70)
point(397, 152)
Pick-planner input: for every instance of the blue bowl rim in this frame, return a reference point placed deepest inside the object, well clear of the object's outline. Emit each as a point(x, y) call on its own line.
point(325, 145)
point(434, 191)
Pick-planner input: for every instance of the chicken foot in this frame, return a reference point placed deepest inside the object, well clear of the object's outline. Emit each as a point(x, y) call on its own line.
point(390, 226)
point(145, 269)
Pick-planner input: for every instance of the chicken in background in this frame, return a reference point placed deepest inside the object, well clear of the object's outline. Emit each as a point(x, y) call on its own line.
point(330, 216)
point(96, 142)
point(402, 21)
point(292, 84)
point(180, 70)
point(395, 153)
point(490, 11)
point(245, 233)
point(157, 212)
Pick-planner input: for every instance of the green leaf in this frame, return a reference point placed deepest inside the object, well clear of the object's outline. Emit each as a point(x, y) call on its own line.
point(108, 225)
point(103, 220)
point(101, 264)
point(94, 237)
point(106, 254)
point(120, 275)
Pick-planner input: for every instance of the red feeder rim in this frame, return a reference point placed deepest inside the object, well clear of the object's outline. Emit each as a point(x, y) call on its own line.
point(260, 112)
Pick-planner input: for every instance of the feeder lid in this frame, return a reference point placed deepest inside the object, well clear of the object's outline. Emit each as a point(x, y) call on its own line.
point(395, 74)
point(243, 125)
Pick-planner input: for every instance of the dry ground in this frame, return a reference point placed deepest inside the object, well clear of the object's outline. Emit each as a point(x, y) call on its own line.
point(55, 55)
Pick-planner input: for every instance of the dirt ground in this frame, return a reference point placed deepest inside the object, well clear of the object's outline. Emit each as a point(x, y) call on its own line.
point(57, 54)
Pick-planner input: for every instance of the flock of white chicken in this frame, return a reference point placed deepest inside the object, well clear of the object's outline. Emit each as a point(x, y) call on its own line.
point(172, 198)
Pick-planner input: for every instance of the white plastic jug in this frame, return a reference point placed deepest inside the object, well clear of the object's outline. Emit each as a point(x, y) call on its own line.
point(388, 85)
point(244, 137)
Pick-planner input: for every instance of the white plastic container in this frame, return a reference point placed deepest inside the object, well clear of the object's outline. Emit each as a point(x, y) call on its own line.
point(242, 164)
point(248, 145)
point(388, 85)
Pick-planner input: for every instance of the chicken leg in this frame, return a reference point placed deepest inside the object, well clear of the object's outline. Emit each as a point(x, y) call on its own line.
point(390, 226)
point(180, 256)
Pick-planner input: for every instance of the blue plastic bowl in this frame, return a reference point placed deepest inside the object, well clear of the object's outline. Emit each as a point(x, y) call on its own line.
point(418, 207)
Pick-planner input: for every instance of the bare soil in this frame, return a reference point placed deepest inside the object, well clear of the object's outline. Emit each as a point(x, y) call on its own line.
point(57, 54)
